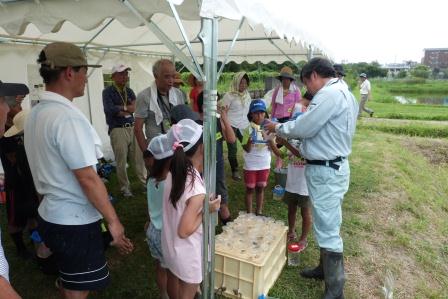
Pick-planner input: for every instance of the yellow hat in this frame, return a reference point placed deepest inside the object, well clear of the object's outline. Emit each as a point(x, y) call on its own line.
point(19, 124)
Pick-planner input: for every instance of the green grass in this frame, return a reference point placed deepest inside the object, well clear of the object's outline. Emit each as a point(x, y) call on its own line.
point(404, 111)
point(407, 128)
point(394, 218)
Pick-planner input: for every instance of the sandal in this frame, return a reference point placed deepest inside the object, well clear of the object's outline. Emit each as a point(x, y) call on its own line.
point(291, 236)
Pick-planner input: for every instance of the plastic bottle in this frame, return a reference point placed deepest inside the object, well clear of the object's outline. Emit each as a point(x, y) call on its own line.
point(277, 192)
point(293, 254)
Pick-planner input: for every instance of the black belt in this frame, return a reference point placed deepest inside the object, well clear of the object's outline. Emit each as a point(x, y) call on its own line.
point(127, 125)
point(328, 163)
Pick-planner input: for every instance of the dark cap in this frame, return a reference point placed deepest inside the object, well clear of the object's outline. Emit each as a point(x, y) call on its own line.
point(13, 89)
point(339, 69)
point(181, 112)
point(60, 54)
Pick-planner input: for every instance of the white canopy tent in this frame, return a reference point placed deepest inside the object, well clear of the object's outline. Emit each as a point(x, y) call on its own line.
point(138, 32)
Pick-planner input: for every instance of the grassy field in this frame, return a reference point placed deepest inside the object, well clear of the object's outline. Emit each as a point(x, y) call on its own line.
point(394, 219)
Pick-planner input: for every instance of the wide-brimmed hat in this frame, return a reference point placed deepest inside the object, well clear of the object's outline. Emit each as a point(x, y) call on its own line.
point(120, 68)
point(13, 89)
point(61, 54)
point(18, 124)
point(339, 69)
point(363, 75)
point(160, 147)
point(286, 72)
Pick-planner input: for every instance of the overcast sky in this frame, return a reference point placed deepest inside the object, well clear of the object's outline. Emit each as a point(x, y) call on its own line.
point(382, 30)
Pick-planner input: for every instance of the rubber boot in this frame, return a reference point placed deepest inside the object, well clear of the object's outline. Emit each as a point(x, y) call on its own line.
point(334, 275)
point(316, 273)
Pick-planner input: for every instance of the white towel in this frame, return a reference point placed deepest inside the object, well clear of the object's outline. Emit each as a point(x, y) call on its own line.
point(279, 98)
point(154, 105)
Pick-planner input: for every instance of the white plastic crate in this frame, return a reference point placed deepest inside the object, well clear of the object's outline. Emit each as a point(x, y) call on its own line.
point(236, 277)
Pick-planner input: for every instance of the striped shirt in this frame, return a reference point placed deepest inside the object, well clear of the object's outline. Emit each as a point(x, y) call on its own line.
point(4, 269)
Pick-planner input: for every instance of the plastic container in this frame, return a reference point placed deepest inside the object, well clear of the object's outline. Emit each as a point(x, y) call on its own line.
point(237, 276)
point(278, 192)
point(293, 254)
point(280, 176)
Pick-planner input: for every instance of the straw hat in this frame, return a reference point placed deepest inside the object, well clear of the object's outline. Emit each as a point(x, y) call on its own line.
point(286, 72)
point(18, 124)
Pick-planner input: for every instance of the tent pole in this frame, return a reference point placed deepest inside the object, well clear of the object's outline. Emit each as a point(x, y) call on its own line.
point(237, 33)
point(209, 38)
point(283, 52)
point(96, 34)
point(187, 41)
point(165, 40)
point(310, 53)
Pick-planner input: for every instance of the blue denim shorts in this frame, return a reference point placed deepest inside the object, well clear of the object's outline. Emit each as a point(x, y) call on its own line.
point(154, 242)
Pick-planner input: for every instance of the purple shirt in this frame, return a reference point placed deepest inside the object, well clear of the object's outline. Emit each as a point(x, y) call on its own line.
point(286, 109)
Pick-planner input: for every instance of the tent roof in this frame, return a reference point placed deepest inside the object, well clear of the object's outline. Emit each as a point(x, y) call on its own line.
point(79, 21)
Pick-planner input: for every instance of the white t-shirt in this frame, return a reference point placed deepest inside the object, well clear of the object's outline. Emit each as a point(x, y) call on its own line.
point(365, 87)
point(238, 109)
point(259, 157)
point(58, 140)
point(295, 181)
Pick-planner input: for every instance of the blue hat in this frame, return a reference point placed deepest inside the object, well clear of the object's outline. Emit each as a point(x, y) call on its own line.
point(255, 106)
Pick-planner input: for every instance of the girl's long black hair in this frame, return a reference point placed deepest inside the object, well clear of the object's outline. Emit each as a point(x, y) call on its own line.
point(181, 167)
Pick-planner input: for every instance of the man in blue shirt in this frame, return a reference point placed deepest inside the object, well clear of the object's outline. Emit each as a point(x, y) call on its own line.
point(326, 130)
point(119, 107)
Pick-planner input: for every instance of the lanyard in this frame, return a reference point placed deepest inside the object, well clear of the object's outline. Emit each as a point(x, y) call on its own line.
point(125, 99)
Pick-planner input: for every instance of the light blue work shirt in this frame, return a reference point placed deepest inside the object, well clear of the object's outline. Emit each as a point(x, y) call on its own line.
point(328, 126)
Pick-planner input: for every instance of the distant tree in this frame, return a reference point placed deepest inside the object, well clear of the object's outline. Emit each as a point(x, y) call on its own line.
point(402, 74)
point(421, 71)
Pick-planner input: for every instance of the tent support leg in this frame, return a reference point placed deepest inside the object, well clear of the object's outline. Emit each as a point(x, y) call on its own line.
point(209, 38)
point(237, 33)
point(310, 53)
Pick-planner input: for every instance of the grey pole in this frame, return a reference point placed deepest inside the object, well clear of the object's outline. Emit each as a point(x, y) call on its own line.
point(209, 38)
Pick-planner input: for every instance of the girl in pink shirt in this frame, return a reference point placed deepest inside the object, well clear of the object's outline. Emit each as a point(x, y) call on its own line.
point(182, 211)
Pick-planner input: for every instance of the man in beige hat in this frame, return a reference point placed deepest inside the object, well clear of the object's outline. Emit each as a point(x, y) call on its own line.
point(119, 107)
point(63, 150)
point(7, 89)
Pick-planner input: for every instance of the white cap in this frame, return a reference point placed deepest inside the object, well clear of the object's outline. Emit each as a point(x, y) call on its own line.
point(120, 68)
point(185, 131)
point(160, 147)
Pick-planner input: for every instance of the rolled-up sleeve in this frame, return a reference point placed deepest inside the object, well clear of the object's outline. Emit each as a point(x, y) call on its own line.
point(4, 269)
point(308, 124)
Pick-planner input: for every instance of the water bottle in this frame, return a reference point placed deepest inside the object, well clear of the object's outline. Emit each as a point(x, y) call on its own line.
point(277, 192)
point(293, 254)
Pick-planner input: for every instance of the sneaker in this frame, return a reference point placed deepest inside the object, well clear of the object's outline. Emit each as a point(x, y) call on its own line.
point(126, 192)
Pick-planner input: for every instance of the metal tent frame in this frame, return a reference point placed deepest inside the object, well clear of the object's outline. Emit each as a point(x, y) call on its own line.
point(208, 73)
